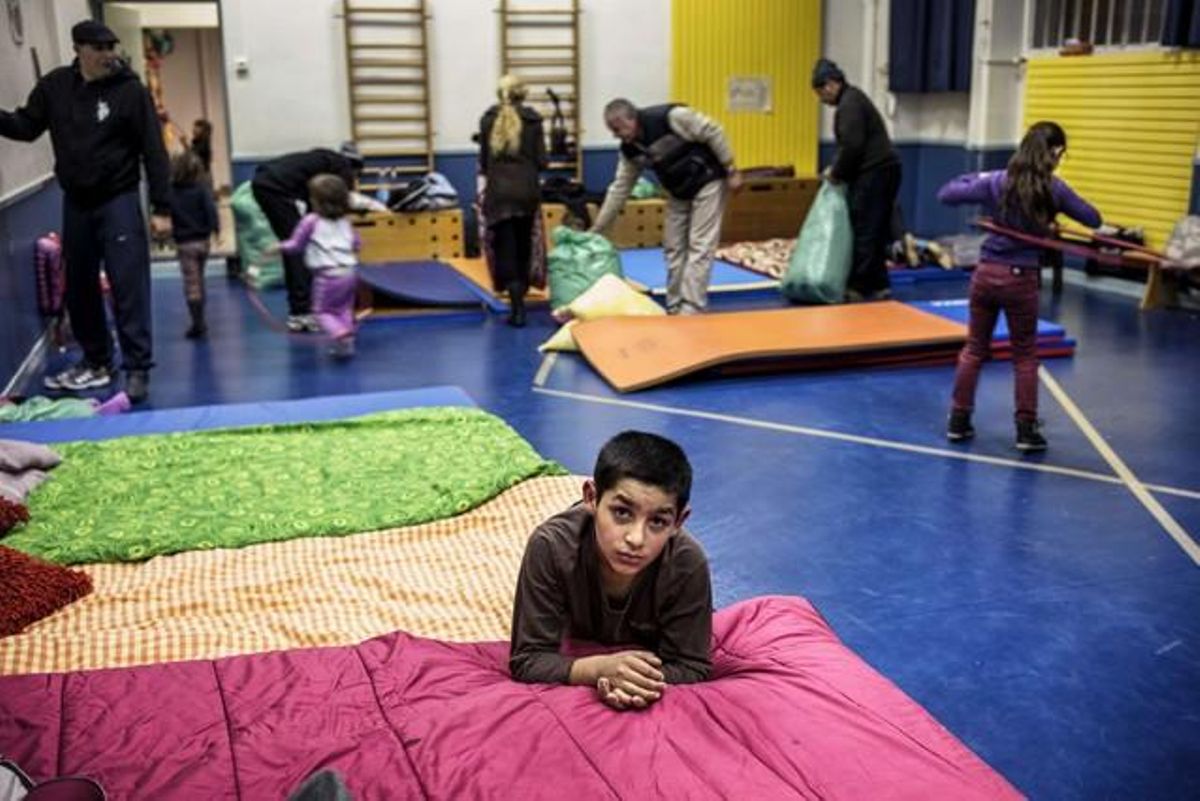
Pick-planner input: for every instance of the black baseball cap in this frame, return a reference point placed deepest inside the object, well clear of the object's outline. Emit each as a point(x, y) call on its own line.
point(91, 32)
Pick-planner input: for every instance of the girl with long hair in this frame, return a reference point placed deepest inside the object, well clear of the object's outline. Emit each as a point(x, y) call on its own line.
point(512, 153)
point(1026, 197)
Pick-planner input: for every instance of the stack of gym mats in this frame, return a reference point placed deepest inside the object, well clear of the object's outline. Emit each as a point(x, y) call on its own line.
point(638, 353)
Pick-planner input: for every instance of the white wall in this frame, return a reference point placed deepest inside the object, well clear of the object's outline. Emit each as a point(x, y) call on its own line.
point(47, 27)
point(171, 15)
point(998, 78)
point(856, 37)
point(192, 90)
point(294, 94)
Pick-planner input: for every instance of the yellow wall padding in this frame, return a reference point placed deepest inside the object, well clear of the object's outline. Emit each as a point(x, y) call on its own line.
point(1132, 123)
point(715, 40)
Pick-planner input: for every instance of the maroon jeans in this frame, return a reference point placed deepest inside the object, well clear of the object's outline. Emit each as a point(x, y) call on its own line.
point(1013, 290)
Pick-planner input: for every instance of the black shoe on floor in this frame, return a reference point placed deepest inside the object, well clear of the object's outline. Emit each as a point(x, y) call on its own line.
point(1029, 436)
point(137, 385)
point(199, 328)
point(959, 429)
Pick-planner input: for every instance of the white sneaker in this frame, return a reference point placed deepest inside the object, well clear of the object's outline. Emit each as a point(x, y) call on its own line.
point(303, 324)
point(79, 377)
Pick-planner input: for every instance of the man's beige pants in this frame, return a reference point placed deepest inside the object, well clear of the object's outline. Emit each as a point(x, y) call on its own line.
point(690, 235)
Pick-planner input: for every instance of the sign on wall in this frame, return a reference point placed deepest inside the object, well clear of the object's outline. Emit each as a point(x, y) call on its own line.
point(752, 93)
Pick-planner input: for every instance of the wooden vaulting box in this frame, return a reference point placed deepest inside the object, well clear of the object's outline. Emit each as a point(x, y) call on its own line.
point(768, 208)
point(389, 236)
point(765, 208)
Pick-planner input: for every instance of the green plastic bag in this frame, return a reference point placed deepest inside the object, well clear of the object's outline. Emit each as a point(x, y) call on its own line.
point(254, 235)
point(577, 261)
point(644, 189)
point(821, 261)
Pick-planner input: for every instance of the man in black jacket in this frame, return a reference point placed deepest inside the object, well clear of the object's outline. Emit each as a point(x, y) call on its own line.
point(103, 127)
point(277, 186)
point(869, 167)
point(692, 159)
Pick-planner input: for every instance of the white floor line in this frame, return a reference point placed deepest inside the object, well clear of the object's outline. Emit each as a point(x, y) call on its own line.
point(1139, 490)
point(1019, 464)
point(544, 369)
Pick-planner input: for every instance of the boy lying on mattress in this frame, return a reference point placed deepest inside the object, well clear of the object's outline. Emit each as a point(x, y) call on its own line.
point(618, 569)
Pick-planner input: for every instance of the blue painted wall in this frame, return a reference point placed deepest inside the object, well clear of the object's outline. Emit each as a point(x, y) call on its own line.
point(21, 223)
point(926, 166)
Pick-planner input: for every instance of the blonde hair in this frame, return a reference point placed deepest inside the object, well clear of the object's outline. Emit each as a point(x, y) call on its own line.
point(506, 132)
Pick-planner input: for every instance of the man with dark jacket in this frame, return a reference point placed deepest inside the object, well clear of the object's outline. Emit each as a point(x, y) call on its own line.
point(104, 128)
point(693, 161)
point(278, 185)
point(869, 167)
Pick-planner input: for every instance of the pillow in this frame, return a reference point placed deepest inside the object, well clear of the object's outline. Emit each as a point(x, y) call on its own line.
point(16, 455)
point(31, 589)
point(563, 340)
point(611, 296)
point(608, 297)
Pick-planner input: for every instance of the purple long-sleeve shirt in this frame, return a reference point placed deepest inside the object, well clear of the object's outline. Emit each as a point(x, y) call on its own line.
point(986, 189)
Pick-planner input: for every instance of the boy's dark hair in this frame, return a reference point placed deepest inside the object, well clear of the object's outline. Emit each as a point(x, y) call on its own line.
point(186, 168)
point(647, 458)
point(329, 195)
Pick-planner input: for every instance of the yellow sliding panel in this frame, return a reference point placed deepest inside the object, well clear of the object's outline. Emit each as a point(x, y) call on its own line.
point(1132, 123)
point(762, 50)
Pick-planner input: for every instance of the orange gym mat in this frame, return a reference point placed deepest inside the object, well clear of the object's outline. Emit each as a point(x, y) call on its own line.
point(476, 271)
point(633, 353)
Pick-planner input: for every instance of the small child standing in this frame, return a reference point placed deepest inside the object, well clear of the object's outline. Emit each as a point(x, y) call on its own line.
point(330, 246)
point(193, 223)
point(1025, 197)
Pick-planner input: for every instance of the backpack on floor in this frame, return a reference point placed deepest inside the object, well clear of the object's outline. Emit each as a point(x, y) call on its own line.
point(820, 263)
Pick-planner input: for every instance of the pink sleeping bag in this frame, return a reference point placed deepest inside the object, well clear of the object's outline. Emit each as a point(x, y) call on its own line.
point(790, 713)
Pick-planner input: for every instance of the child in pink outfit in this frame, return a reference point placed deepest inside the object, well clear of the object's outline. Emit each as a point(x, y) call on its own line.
point(330, 246)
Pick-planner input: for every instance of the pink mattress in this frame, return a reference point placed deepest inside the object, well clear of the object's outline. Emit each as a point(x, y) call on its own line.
point(790, 713)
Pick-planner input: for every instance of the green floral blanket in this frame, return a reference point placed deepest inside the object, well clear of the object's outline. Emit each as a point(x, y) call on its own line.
point(136, 497)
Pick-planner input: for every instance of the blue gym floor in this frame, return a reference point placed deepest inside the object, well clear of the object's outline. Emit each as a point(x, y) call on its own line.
point(1034, 605)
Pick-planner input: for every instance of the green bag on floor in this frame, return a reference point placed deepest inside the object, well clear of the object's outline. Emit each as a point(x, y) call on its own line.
point(577, 261)
point(821, 261)
point(254, 236)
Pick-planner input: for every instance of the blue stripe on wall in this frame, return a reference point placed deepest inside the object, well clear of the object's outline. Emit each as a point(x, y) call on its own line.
point(21, 223)
point(926, 167)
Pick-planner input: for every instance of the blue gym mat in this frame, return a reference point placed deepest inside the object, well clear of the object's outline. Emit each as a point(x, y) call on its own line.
point(960, 311)
point(197, 418)
point(920, 275)
point(423, 283)
point(648, 267)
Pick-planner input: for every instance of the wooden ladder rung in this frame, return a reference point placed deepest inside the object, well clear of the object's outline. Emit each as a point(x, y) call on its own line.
point(538, 23)
point(382, 97)
point(383, 10)
point(391, 118)
point(545, 98)
point(566, 46)
point(531, 12)
point(388, 81)
point(541, 62)
point(541, 79)
point(385, 46)
point(371, 61)
point(393, 153)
